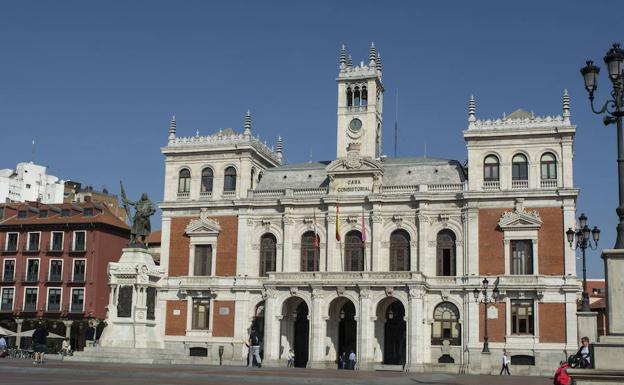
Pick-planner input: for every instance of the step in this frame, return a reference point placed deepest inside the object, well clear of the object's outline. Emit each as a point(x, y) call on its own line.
point(389, 368)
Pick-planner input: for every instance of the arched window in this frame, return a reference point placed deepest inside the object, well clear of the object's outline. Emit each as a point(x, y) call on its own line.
point(310, 251)
point(399, 251)
point(364, 96)
point(184, 181)
point(206, 180)
point(519, 167)
point(356, 96)
point(349, 97)
point(490, 169)
point(268, 254)
point(229, 179)
point(354, 251)
point(548, 165)
point(446, 324)
point(445, 253)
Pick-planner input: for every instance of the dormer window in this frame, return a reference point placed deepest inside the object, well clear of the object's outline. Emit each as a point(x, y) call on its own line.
point(22, 214)
point(43, 213)
point(65, 212)
point(88, 212)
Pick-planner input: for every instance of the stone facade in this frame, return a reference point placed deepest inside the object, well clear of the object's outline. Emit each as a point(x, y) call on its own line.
point(373, 254)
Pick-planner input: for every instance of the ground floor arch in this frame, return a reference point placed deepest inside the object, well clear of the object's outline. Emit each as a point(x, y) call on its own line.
point(295, 331)
point(390, 331)
point(342, 328)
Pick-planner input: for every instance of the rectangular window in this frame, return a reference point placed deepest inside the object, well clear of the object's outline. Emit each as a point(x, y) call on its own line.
point(65, 212)
point(88, 212)
point(77, 301)
point(79, 270)
point(54, 299)
point(56, 270)
point(203, 260)
point(32, 270)
point(22, 214)
point(43, 213)
point(521, 257)
point(7, 299)
point(201, 313)
point(8, 273)
point(33, 241)
point(522, 317)
point(11, 241)
point(56, 243)
point(30, 299)
point(80, 241)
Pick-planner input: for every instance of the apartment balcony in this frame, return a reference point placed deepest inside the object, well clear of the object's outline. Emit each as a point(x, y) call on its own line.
point(29, 308)
point(77, 279)
point(491, 185)
point(30, 278)
point(55, 279)
point(8, 248)
point(31, 249)
point(205, 195)
point(7, 278)
point(78, 249)
point(549, 183)
point(54, 248)
point(76, 308)
point(229, 194)
point(519, 184)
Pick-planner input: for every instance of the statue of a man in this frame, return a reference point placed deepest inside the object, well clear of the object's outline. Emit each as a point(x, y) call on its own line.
point(141, 226)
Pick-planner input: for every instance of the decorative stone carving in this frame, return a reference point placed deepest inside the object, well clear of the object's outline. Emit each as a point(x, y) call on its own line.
point(294, 290)
point(389, 290)
point(269, 293)
point(445, 294)
point(377, 218)
point(354, 159)
point(203, 226)
point(520, 218)
point(352, 219)
point(340, 290)
point(443, 217)
point(364, 292)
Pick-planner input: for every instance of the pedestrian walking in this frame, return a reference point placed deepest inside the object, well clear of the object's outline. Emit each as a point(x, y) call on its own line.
point(352, 360)
point(254, 352)
point(291, 358)
point(342, 361)
point(505, 367)
point(40, 343)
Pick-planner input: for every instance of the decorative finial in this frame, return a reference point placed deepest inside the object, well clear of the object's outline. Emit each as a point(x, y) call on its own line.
point(197, 133)
point(172, 128)
point(349, 62)
point(280, 146)
point(566, 107)
point(247, 123)
point(379, 61)
point(472, 111)
point(343, 57)
point(372, 55)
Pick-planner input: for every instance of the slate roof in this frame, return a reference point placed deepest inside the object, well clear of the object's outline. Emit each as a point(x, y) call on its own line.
point(397, 171)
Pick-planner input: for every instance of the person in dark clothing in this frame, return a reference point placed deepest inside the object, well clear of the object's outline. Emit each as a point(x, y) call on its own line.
point(40, 343)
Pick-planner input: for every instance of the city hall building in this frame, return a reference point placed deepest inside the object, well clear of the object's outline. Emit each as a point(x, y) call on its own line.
point(373, 254)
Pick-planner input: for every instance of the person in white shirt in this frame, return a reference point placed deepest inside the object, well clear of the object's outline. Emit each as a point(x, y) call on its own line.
point(352, 360)
point(505, 368)
point(291, 358)
point(65, 347)
point(3, 344)
point(583, 353)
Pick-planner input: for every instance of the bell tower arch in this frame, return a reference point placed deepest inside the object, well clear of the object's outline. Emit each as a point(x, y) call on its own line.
point(360, 104)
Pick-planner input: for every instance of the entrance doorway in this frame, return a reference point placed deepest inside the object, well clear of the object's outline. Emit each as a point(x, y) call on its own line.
point(347, 329)
point(295, 331)
point(390, 331)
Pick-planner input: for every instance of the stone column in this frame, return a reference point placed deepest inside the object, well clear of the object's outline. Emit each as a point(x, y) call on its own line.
point(287, 260)
point(366, 328)
point(378, 260)
point(414, 358)
point(18, 333)
point(68, 325)
point(317, 330)
point(271, 328)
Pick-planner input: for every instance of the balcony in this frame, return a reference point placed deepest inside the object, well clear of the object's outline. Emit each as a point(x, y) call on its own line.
point(53, 308)
point(30, 278)
point(6, 309)
point(10, 248)
point(184, 196)
point(549, 183)
point(7, 278)
point(205, 195)
point(519, 184)
point(29, 308)
point(491, 185)
point(54, 247)
point(76, 308)
point(55, 278)
point(78, 249)
point(77, 279)
point(354, 109)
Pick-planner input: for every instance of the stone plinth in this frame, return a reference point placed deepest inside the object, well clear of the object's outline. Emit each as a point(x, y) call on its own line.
point(133, 318)
point(587, 325)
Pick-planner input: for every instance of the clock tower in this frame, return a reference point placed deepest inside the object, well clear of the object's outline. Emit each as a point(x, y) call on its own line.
point(360, 105)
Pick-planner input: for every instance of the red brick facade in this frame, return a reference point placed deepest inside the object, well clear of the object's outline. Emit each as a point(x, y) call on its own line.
point(223, 319)
point(552, 322)
point(175, 320)
point(496, 327)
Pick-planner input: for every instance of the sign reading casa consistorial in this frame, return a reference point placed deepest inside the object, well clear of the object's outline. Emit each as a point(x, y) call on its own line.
point(369, 253)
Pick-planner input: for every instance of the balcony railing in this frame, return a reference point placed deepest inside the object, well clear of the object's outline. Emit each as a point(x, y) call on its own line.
point(54, 308)
point(10, 248)
point(205, 194)
point(77, 279)
point(357, 108)
point(549, 183)
point(32, 249)
point(30, 278)
point(491, 185)
point(6, 309)
point(229, 194)
point(7, 278)
point(184, 196)
point(54, 247)
point(519, 184)
point(29, 308)
point(55, 278)
point(76, 308)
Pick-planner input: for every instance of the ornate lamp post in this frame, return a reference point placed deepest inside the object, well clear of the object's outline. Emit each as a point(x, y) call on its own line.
point(485, 301)
point(614, 109)
point(583, 242)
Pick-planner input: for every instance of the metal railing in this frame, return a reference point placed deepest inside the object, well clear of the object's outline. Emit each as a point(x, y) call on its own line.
point(51, 247)
point(30, 277)
point(7, 278)
point(55, 278)
point(77, 279)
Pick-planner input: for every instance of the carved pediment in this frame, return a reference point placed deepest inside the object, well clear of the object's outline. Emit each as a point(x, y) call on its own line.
point(203, 226)
point(345, 165)
point(520, 219)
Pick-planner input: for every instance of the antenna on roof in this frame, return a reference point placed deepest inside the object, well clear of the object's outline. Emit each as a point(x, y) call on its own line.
point(32, 156)
point(396, 123)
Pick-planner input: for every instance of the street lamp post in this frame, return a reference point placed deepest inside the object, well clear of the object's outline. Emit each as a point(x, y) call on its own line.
point(583, 242)
point(614, 108)
point(485, 301)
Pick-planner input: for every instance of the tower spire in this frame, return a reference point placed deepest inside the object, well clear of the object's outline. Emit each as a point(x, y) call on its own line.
point(172, 128)
point(472, 112)
point(372, 55)
point(280, 146)
point(349, 62)
point(343, 57)
point(566, 107)
point(379, 61)
point(247, 123)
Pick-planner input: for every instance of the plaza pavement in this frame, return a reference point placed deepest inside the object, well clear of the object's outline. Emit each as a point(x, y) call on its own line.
point(54, 372)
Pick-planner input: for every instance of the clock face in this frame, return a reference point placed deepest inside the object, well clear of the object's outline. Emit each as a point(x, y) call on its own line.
point(355, 125)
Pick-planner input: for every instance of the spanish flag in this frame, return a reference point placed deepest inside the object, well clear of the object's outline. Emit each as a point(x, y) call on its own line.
point(337, 222)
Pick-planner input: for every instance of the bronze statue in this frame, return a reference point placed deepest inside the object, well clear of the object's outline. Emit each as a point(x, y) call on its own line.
point(140, 226)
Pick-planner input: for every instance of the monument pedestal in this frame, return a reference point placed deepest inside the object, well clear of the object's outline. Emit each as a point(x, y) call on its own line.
point(608, 353)
point(587, 325)
point(132, 318)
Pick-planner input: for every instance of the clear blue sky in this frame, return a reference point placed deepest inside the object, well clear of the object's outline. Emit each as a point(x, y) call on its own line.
point(95, 83)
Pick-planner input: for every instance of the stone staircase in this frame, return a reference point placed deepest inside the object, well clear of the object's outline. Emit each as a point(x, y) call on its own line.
point(135, 356)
